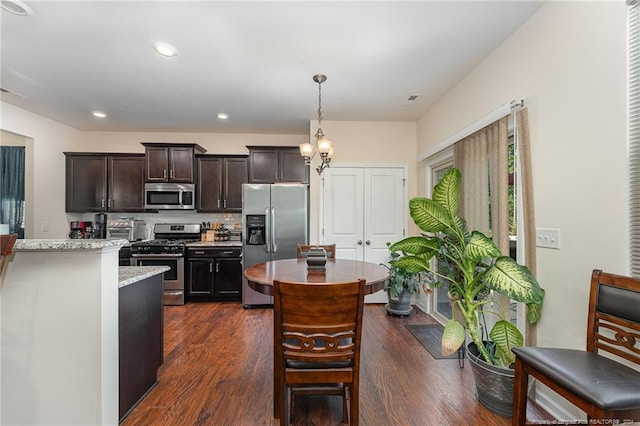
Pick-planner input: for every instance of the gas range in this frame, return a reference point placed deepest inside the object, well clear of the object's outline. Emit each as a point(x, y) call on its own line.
point(161, 246)
point(170, 239)
point(168, 249)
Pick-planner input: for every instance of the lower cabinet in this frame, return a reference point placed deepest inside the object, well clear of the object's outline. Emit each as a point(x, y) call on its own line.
point(214, 274)
point(141, 336)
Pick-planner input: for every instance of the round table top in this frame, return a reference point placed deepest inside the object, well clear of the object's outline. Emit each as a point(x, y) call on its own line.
point(260, 277)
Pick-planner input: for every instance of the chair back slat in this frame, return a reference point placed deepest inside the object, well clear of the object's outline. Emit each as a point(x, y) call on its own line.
point(614, 315)
point(330, 249)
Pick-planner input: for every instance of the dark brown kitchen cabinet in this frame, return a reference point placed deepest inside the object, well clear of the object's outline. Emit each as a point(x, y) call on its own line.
point(220, 180)
point(140, 340)
point(99, 182)
point(214, 273)
point(276, 164)
point(171, 162)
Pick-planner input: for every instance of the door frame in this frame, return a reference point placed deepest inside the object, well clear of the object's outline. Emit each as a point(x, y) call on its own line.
point(405, 207)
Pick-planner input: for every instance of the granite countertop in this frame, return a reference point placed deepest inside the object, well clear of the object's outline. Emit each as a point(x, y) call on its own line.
point(215, 244)
point(67, 244)
point(132, 274)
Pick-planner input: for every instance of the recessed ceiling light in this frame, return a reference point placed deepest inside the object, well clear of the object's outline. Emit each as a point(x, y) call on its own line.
point(99, 114)
point(223, 116)
point(16, 7)
point(165, 49)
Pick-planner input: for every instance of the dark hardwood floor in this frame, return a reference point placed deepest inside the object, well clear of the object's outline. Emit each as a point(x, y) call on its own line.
point(218, 371)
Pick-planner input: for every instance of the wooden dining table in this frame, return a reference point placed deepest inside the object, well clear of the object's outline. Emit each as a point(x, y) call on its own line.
point(260, 277)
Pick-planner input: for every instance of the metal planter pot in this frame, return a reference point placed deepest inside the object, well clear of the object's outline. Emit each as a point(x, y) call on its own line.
point(494, 385)
point(401, 305)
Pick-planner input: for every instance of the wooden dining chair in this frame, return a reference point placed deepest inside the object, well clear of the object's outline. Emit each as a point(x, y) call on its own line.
point(303, 250)
point(317, 336)
point(7, 242)
point(604, 388)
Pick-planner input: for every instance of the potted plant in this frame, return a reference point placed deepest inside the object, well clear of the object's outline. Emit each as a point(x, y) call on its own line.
point(474, 268)
point(400, 286)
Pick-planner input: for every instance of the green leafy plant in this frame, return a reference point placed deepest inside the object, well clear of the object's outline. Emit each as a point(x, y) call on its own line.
point(400, 279)
point(475, 269)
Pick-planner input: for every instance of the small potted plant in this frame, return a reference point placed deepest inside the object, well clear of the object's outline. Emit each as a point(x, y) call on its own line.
point(400, 286)
point(474, 269)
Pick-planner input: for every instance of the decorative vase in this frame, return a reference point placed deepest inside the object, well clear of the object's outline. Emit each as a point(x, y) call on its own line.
point(400, 305)
point(316, 260)
point(494, 384)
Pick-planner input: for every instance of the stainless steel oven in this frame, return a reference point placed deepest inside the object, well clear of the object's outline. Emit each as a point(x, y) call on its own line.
point(173, 279)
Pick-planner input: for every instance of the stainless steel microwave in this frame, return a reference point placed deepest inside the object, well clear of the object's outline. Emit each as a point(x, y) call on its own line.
point(170, 196)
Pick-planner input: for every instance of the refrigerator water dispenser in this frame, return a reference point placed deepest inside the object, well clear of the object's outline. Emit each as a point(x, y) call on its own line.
point(255, 229)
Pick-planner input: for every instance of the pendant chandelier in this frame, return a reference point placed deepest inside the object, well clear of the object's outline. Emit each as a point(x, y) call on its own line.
point(324, 146)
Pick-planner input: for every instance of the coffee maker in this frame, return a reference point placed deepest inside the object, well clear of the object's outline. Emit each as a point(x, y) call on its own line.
point(100, 226)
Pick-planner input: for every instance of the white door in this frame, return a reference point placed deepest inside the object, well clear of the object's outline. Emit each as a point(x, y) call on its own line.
point(364, 208)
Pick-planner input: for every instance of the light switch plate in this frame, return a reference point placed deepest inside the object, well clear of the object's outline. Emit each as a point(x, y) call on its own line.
point(548, 238)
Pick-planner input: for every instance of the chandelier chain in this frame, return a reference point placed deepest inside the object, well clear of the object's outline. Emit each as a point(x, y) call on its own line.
point(319, 104)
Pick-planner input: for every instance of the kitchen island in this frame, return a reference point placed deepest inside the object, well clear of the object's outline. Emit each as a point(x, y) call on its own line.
point(60, 332)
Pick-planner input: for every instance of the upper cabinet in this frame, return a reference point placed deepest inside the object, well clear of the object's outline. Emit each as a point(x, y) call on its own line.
point(171, 162)
point(97, 182)
point(271, 164)
point(220, 180)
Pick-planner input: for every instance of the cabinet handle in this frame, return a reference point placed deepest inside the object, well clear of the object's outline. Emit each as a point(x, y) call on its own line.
point(102, 203)
point(218, 202)
point(198, 252)
point(368, 242)
point(164, 173)
point(225, 204)
point(171, 174)
point(359, 242)
point(217, 266)
point(109, 202)
point(227, 252)
point(210, 266)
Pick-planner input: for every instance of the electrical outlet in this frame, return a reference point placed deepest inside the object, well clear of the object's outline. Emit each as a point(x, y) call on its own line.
point(548, 238)
point(44, 227)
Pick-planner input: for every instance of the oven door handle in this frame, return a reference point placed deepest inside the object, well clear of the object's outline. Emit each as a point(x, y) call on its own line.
point(155, 256)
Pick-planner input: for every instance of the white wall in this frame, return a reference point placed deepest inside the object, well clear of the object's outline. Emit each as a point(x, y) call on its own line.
point(214, 143)
point(47, 140)
point(568, 62)
point(362, 143)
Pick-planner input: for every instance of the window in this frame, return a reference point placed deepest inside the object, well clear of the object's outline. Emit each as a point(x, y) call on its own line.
point(634, 135)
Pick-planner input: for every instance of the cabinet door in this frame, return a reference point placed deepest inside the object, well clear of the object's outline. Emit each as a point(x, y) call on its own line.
point(181, 164)
point(235, 174)
point(263, 166)
point(126, 184)
point(86, 183)
point(228, 280)
point(157, 164)
point(200, 278)
point(209, 187)
point(292, 166)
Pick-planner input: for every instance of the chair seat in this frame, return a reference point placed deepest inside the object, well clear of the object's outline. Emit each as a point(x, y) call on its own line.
point(305, 365)
point(617, 387)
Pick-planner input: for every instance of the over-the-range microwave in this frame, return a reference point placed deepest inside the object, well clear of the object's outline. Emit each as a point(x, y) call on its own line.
point(170, 196)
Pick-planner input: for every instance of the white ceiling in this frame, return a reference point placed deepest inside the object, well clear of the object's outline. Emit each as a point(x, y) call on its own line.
point(252, 60)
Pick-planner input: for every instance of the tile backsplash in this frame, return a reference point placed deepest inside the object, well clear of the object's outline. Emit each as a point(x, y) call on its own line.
point(166, 216)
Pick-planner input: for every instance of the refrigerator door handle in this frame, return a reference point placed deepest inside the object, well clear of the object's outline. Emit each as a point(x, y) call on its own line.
point(273, 230)
point(267, 238)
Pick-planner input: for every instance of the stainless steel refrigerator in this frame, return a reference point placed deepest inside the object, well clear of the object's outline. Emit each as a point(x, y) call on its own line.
point(275, 219)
